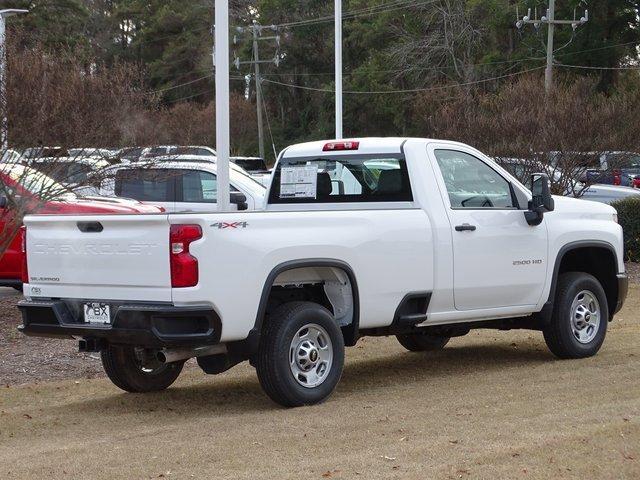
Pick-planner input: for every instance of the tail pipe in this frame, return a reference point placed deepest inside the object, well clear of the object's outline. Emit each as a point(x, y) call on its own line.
point(170, 355)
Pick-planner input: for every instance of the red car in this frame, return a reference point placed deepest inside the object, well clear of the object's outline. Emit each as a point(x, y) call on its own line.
point(26, 182)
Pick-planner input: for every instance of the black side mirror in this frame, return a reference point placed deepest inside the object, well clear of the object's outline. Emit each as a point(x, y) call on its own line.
point(541, 201)
point(239, 199)
point(3, 201)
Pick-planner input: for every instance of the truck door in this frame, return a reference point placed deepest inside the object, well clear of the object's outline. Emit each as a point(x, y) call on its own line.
point(498, 259)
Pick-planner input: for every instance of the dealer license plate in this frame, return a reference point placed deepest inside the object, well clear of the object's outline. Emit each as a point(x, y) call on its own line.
point(97, 313)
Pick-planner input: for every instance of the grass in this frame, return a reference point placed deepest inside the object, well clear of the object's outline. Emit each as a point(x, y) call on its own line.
point(492, 405)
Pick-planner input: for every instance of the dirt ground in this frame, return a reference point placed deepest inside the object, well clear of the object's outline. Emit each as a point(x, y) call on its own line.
point(492, 405)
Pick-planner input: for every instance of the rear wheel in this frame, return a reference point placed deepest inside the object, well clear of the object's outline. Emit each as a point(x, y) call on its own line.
point(301, 354)
point(137, 370)
point(580, 317)
point(421, 342)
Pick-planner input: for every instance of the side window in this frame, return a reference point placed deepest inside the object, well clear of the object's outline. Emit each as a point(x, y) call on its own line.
point(341, 179)
point(152, 185)
point(471, 183)
point(199, 187)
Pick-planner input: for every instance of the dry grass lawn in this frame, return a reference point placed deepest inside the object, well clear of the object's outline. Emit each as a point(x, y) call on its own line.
point(492, 405)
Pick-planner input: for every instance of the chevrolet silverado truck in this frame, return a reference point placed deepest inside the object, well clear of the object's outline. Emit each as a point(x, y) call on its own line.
point(421, 239)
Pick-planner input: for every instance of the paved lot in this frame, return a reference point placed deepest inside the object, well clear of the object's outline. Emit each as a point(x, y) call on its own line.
point(492, 405)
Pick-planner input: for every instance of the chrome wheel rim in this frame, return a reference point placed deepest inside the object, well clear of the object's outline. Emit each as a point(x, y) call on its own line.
point(585, 317)
point(311, 355)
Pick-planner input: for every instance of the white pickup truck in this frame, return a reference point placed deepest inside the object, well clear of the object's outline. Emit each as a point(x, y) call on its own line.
point(421, 239)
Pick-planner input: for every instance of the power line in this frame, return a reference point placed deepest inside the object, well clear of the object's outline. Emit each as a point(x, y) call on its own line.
point(189, 97)
point(178, 85)
point(359, 12)
point(586, 67)
point(266, 114)
point(412, 90)
point(399, 70)
point(599, 48)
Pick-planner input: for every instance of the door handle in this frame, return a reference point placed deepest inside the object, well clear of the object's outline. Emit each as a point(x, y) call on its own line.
point(465, 227)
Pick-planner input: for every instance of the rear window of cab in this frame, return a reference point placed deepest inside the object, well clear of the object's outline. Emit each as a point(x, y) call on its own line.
point(341, 179)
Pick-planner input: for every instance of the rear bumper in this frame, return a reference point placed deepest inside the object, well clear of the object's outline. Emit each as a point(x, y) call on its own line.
point(145, 325)
point(623, 290)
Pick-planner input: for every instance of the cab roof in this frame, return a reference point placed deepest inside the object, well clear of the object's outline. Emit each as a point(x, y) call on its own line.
point(367, 145)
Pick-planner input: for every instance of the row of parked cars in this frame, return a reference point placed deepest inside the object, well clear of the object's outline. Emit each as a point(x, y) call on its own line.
point(174, 179)
point(178, 179)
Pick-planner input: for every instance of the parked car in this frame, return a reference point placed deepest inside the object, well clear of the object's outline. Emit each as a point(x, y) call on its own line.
point(521, 169)
point(11, 156)
point(617, 168)
point(129, 154)
point(256, 167)
point(29, 184)
point(164, 150)
point(442, 242)
point(181, 186)
point(81, 175)
point(110, 155)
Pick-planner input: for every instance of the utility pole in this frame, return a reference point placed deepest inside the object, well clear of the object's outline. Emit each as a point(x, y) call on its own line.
point(338, 66)
point(550, 20)
point(548, 73)
point(256, 34)
point(256, 65)
point(221, 64)
point(4, 121)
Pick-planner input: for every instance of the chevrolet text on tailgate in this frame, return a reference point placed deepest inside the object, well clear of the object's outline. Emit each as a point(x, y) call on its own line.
point(421, 239)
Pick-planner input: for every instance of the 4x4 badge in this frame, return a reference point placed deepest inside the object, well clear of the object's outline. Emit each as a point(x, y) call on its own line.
point(221, 225)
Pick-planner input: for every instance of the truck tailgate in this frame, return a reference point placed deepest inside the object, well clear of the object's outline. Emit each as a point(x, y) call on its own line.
point(110, 257)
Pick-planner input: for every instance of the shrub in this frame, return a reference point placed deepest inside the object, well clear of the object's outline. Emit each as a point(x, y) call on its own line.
point(629, 217)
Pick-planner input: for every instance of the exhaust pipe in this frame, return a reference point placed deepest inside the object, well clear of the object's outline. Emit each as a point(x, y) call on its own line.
point(179, 354)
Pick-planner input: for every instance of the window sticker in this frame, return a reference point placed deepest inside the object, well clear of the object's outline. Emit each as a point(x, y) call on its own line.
point(299, 182)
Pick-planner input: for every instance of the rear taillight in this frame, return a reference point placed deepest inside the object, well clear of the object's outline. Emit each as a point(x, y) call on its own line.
point(25, 270)
point(184, 266)
point(340, 146)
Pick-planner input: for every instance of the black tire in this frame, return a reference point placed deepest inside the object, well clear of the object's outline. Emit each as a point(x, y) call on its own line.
point(273, 359)
point(421, 342)
point(18, 288)
point(128, 372)
point(559, 334)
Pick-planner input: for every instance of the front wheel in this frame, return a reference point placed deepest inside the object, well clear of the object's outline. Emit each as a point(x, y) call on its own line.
point(580, 316)
point(137, 370)
point(301, 354)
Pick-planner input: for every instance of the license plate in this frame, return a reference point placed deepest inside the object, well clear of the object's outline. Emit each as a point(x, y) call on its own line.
point(97, 313)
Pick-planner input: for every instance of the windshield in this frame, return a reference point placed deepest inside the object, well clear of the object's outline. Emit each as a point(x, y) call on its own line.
point(255, 165)
point(65, 172)
point(36, 182)
point(89, 152)
point(44, 152)
point(622, 160)
point(197, 151)
point(575, 160)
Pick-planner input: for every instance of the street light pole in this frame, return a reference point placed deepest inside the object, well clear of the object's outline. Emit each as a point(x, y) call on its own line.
point(338, 66)
point(222, 102)
point(4, 121)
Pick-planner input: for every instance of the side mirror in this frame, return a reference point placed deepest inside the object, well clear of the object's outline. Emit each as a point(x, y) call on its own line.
point(3, 201)
point(541, 201)
point(239, 199)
